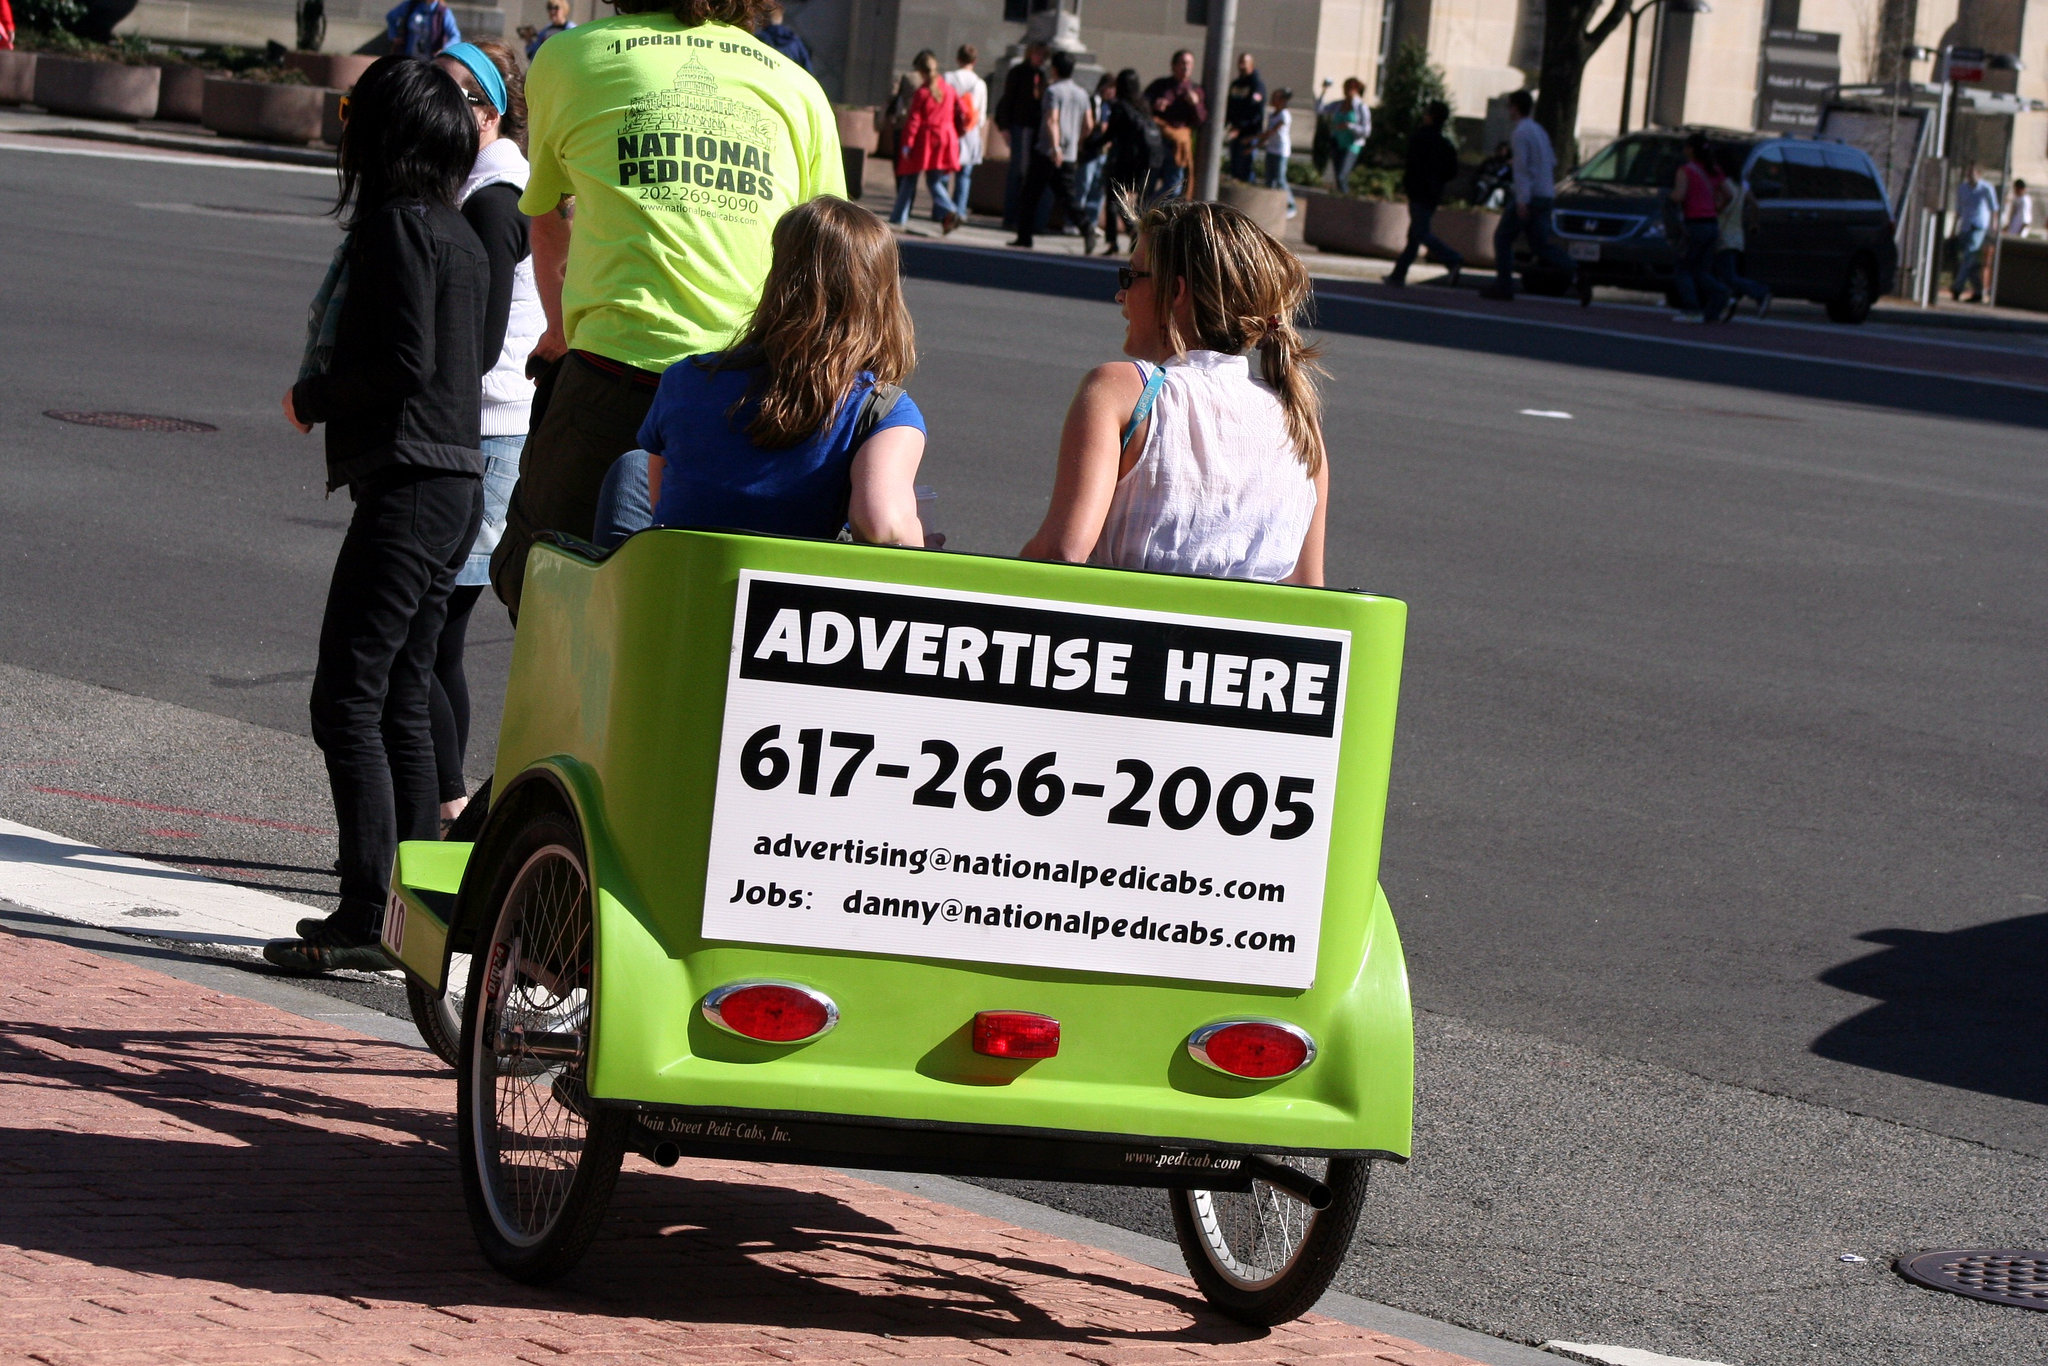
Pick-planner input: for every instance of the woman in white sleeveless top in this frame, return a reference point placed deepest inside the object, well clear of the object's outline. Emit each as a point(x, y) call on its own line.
point(1183, 459)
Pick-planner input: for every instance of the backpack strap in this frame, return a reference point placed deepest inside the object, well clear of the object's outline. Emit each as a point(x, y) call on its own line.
point(878, 404)
point(1154, 382)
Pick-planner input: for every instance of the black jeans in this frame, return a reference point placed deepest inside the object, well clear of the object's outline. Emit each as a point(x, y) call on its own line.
point(1060, 180)
point(1420, 219)
point(410, 534)
point(448, 695)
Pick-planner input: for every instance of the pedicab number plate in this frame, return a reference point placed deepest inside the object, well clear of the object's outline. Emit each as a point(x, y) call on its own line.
point(1012, 780)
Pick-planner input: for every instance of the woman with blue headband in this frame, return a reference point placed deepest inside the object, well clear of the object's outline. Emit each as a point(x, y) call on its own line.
point(489, 75)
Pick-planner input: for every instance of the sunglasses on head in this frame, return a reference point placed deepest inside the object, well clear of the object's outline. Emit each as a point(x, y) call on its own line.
point(1126, 277)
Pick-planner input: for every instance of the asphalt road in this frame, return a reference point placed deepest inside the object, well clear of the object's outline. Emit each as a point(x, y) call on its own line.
point(1716, 829)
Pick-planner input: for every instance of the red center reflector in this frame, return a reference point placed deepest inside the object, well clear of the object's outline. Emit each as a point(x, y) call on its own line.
point(1016, 1034)
point(774, 1014)
point(1256, 1050)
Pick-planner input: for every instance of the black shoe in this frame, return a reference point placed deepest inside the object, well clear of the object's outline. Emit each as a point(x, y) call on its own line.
point(1585, 292)
point(1728, 311)
point(311, 960)
point(1396, 281)
point(1452, 272)
point(1023, 242)
point(1088, 240)
point(1506, 296)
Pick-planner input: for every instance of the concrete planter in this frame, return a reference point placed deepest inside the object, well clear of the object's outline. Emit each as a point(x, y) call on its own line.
point(17, 77)
point(262, 112)
point(1469, 231)
point(1359, 227)
point(335, 70)
point(1267, 208)
point(330, 117)
point(985, 192)
point(2023, 274)
point(857, 127)
point(96, 90)
point(182, 93)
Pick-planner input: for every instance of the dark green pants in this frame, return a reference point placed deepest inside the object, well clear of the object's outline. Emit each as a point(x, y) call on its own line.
point(592, 419)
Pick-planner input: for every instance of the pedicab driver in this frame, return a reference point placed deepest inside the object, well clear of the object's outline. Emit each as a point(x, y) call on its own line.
point(680, 138)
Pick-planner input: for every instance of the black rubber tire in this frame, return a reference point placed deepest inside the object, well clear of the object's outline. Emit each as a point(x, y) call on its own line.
point(1859, 293)
point(544, 842)
point(1296, 1288)
point(432, 1016)
point(470, 823)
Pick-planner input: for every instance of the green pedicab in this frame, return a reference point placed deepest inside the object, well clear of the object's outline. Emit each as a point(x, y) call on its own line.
point(831, 854)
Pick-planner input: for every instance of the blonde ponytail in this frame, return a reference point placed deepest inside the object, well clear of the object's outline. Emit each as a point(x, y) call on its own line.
point(1248, 291)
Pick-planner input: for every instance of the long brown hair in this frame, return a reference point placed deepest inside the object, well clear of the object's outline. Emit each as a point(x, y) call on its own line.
point(832, 306)
point(1248, 291)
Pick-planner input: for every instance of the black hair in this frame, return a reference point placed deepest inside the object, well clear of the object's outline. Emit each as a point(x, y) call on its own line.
point(1521, 102)
point(409, 135)
point(1731, 161)
point(1063, 64)
point(1128, 86)
point(1697, 144)
point(1438, 112)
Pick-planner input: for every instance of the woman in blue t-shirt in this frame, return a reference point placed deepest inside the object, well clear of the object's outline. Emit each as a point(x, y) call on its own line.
point(761, 437)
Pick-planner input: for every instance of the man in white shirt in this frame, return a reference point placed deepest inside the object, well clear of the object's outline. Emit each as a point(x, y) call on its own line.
point(1534, 167)
point(974, 90)
point(2019, 219)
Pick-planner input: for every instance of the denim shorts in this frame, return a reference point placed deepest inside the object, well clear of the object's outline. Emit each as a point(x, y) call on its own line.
point(501, 472)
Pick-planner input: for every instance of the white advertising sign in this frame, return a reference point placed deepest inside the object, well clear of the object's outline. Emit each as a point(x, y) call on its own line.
point(1011, 780)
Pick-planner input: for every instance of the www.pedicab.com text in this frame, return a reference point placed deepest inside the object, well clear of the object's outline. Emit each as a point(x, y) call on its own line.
point(1132, 877)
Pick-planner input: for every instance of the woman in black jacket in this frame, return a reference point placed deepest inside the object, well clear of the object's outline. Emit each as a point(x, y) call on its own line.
point(1136, 157)
point(395, 358)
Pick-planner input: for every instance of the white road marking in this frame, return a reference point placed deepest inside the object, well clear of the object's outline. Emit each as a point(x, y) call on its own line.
point(219, 211)
point(1619, 1356)
point(10, 144)
point(1546, 412)
point(91, 886)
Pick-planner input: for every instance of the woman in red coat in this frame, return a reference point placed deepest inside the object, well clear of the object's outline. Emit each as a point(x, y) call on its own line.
point(929, 142)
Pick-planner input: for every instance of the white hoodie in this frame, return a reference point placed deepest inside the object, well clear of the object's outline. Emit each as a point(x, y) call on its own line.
point(508, 393)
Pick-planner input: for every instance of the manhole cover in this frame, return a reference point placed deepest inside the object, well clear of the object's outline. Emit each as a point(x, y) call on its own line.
point(2001, 1275)
point(131, 422)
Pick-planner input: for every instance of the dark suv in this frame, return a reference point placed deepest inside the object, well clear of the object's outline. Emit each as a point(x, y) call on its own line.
point(1820, 228)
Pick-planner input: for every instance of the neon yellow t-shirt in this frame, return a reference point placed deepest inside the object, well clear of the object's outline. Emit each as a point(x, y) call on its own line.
point(683, 146)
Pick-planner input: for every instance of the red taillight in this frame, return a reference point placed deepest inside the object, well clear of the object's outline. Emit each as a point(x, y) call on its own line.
point(772, 1012)
point(1258, 1049)
point(1016, 1034)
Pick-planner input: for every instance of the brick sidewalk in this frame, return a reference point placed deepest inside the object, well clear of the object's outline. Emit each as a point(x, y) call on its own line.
point(191, 1177)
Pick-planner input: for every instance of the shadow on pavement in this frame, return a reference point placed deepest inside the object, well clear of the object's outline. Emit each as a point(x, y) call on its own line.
point(1570, 339)
point(242, 1174)
point(1966, 1009)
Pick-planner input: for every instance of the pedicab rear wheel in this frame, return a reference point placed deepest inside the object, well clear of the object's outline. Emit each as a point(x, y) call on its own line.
point(1264, 1256)
point(538, 1159)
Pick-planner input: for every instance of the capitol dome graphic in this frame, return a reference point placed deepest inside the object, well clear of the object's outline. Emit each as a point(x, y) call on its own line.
point(692, 104)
